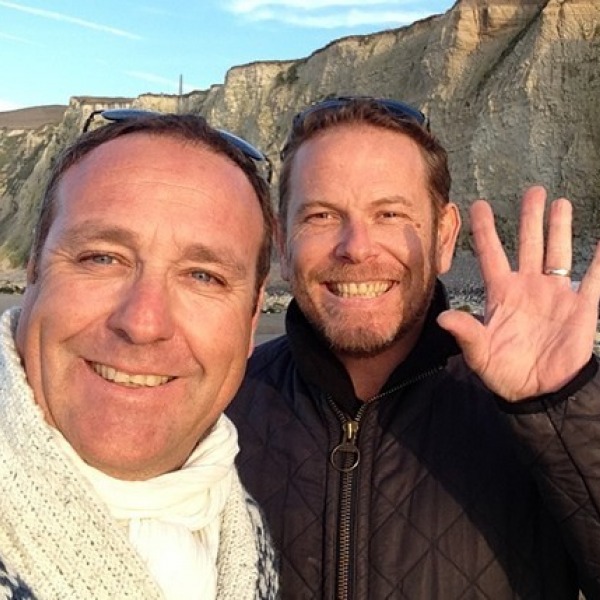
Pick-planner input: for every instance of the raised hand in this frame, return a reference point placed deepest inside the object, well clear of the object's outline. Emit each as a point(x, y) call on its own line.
point(537, 331)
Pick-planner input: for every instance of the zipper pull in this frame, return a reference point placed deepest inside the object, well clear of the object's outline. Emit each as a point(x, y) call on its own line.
point(350, 429)
point(346, 455)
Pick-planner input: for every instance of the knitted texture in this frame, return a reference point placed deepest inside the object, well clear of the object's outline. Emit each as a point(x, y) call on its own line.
point(250, 575)
point(57, 537)
point(268, 564)
point(11, 586)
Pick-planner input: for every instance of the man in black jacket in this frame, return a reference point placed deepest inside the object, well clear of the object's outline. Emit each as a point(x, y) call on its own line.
point(401, 449)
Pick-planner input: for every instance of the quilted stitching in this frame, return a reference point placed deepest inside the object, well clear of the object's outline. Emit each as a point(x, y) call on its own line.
point(447, 513)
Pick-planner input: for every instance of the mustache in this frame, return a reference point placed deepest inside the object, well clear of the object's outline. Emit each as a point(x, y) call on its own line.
point(358, 273)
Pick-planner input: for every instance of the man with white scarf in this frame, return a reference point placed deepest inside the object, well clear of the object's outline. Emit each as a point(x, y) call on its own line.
point(117, 476)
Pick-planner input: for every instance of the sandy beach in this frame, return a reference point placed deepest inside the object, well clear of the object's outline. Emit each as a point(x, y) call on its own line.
point(8, 300)
point(270, 326)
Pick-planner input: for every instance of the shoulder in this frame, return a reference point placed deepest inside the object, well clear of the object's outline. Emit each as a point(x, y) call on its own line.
point(271, 364)
point(264, 382)
point(12, 586)
point(265, 373)
point(269, 354)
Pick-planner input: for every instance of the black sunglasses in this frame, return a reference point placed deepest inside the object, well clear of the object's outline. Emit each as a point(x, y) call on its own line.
point(128, 114)
point(400, 110)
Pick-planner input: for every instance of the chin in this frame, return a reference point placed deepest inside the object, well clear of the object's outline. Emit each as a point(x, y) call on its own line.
point(360, 342)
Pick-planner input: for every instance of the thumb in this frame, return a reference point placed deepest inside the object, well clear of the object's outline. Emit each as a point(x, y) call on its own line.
point(469, 333)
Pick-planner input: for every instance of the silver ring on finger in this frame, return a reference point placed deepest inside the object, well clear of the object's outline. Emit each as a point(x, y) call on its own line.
point(558, 272)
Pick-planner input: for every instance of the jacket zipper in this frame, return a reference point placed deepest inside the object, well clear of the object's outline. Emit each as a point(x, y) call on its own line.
point(345, 458)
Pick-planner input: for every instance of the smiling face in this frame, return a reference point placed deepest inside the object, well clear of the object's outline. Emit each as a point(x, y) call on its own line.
point(136, 332)
point(362, 243)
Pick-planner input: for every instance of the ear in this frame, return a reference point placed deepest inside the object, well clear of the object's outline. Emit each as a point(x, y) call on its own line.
point(31, 271)
point(256, 317)
point(447, 234)
point(280, 240)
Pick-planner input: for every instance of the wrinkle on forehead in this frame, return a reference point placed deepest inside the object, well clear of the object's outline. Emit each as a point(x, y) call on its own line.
point(135, 176)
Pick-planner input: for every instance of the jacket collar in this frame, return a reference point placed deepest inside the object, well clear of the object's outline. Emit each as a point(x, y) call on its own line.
point(319, 367)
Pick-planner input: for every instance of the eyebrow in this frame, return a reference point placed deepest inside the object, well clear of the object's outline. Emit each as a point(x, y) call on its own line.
point(91, 231)
point(221, 256)
point(385, 201)
point(396, 199)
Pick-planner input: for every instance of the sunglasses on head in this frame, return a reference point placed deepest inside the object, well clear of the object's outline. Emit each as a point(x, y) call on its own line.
point(128, 114)
point(400, 110)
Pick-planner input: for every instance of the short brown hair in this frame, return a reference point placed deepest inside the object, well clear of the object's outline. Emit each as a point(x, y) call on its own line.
point(187, 128)
point(367, 111)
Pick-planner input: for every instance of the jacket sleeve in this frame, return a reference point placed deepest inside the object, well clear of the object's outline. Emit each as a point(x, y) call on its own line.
point(559, 439)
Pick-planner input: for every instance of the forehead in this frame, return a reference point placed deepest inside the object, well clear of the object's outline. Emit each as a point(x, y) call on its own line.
point(353, 156)
point(142, 181)
point(364, 143)
point(162, 157)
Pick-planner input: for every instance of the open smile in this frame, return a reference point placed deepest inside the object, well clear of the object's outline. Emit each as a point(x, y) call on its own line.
point(359, 289)
point(130, 379)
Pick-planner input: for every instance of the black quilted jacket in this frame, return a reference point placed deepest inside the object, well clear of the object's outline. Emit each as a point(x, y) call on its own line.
point(419, 494)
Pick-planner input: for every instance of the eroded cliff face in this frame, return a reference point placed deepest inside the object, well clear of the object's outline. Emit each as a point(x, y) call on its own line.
point(511, 88)
point(24, 158)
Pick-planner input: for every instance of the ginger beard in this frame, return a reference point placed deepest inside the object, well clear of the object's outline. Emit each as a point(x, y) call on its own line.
point(358, 320)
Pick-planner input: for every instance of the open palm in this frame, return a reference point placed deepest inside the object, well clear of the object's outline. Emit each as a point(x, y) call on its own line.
point(537, 331)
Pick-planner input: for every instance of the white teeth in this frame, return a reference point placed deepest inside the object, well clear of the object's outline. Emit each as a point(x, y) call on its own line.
point(368, 289)
point(111, 374)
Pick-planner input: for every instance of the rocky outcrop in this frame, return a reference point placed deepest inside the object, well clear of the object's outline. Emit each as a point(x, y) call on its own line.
point(511, 88)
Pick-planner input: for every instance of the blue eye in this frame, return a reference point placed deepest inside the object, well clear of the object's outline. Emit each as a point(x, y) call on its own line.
point(99, 259)
point(202, 276)
point(103, 259)
point(206, 278)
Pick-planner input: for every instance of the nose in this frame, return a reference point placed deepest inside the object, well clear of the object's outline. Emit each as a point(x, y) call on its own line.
point(143, 314)
point(356, 243)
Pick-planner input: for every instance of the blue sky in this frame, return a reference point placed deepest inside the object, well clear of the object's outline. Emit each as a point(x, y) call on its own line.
point(51, 50)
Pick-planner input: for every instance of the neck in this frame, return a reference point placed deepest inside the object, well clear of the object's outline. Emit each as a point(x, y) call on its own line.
point(369, 373)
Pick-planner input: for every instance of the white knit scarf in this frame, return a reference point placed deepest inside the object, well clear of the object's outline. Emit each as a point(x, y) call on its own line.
point(174, 519)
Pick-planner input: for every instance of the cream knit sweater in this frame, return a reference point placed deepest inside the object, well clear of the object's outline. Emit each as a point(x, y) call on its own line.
point(58, 537)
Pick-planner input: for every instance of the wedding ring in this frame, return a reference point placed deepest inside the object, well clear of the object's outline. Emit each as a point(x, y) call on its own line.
point(558, 272)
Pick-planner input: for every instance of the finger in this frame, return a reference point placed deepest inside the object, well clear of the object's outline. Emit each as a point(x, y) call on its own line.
point(531, 230)
point(469, 334)
point(559, 253)
point(490, 254)
point(590, 284)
